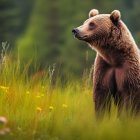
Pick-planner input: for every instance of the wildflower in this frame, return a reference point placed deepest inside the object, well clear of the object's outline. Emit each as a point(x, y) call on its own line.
point(42, 95)
point(27, 92)
point(4, 88)
point(51, 108)
point(38, 96)
point(3, 120)
point(3, 130)
point(39, 109)
point(64, 105)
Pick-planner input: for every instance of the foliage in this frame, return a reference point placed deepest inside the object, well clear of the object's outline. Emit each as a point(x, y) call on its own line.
point(32, 98)
point(13, 19)
point(41, 31)
point(36, 110)
point(49, 38)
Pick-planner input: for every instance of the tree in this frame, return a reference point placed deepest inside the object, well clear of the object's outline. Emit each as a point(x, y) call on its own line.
point(12, 21)
point(48, 40)
point(8, 15)
point(42, 34)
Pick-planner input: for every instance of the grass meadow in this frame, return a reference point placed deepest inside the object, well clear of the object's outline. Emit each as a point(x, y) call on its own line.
point(36, 110)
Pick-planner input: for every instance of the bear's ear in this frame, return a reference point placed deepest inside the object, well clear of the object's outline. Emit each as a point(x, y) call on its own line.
point(115, 16)
point(93, 13)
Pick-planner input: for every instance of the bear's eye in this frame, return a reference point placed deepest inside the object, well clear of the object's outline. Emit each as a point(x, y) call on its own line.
point(91, 25)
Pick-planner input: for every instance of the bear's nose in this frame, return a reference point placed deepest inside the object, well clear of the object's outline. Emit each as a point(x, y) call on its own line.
point(75, 31)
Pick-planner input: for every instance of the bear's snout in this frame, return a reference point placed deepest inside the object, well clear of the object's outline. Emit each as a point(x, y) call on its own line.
point(75, 31)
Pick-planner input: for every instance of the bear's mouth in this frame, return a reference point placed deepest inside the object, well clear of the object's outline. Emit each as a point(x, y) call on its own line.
point(81, 37)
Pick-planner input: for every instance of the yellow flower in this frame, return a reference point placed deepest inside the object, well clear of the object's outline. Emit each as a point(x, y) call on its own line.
point(4, 88)
point(51, 107)
point(39, 109)
point(27, 92)
point(38, 96)
point(64, 105)
point(42, 95)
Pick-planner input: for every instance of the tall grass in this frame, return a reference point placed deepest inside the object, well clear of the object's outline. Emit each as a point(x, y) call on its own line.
point(38, 111)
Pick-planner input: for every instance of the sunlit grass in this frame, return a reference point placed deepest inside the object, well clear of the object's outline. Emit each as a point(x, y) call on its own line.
point(36, 110)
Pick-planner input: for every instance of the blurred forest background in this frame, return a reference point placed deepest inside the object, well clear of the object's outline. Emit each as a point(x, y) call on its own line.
point(39, 31)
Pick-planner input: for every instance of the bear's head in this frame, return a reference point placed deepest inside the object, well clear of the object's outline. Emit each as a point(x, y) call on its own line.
point(99, 28)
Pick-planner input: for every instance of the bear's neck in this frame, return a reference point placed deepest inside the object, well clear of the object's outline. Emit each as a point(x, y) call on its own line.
point(117, 52)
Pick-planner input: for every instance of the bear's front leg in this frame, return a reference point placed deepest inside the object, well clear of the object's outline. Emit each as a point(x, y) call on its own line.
point(101, 84)
point(102, 101)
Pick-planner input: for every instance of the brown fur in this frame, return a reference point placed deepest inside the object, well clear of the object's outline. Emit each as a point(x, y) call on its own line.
point(117, 63)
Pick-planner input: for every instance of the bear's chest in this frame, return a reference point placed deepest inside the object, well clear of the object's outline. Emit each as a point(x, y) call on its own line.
point(113, 79)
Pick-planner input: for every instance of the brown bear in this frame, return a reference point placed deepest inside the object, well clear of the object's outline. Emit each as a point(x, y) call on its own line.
point(117, 65)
